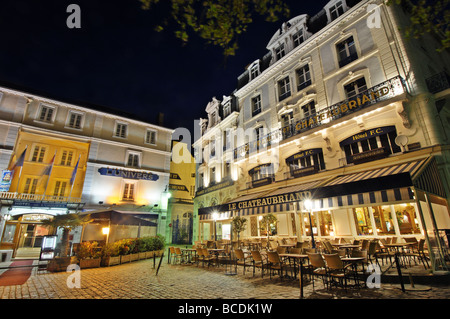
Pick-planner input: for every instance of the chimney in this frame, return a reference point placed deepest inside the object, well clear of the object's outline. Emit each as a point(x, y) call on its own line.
point(161, 119)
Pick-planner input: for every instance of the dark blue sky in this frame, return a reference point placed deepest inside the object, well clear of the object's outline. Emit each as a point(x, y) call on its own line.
point(117, 60)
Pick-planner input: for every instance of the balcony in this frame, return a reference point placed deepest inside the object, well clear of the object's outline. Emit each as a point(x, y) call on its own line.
point(34, 200)
point(382, 92)
point(438, 82)
point(378, 93)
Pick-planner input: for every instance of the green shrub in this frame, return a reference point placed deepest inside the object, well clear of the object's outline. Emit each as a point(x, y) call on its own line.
point(88, 249)
point(110, 250)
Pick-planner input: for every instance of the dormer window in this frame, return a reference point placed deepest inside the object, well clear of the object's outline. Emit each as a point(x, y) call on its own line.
point(280, 52)
point(226, 110)
point(336, 10)
point(254, 71)
point(298, 38)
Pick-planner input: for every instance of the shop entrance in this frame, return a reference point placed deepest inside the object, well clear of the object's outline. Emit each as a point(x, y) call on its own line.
point(24, 234)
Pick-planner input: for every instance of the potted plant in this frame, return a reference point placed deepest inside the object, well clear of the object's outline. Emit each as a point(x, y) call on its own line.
point(89, 255)
point(266, 222)
point(239, 224)
point(110, 255)
point(124, 247)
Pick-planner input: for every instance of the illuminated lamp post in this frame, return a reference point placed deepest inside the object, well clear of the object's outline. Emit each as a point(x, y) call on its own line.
point(308, 205)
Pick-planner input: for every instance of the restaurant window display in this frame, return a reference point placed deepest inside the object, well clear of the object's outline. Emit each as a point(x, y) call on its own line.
point(362, 221)
point(307, 223)
point(408, 222)
point(383, 220)
point(326, 223)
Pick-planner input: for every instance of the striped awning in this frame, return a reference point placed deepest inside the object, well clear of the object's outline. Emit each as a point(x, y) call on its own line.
point(410, 167)
point(391, 184)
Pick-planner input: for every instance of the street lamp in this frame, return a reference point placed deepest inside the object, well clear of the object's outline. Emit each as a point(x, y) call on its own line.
point(105, 231)
point(215, 216)
point(308, 205)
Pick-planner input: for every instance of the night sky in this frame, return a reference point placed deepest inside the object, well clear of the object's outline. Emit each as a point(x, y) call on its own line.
point(117, 59)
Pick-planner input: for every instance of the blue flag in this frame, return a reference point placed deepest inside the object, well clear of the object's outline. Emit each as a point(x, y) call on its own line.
point(20, 161)
point(74, 173)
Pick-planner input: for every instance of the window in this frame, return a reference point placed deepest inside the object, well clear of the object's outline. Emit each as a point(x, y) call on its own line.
point(262, 172)
point(362, 220)
point(200, 181)
point(121, 130)
point(309, 109)
point(30, 186)
point(212, 148)
point(325, 223)
point(38, 154)
point(75, 120)
point(355, 87)
point(407, 219)
point(346, 51)
point(284, 88)
point(336, 10)
point(303, 77)
point(66, 158)
point(254, 71)
point(60, 188)
point(128, 192)
point(150, 137)
point(306, 162)
point(286, 119)
point(256, 105)
point(280, 52)
point(382, 139)
point(383, 220)
point(133, 160)
point(46, 113)
point(226, 110)
point(298, 38)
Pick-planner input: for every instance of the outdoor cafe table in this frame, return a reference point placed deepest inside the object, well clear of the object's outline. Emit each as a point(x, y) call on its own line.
point(399, 248)
point(348, 248)
point(296, 257)
point(287, 246)
point(189, 252)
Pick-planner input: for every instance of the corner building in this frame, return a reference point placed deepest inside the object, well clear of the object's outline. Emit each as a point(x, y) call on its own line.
point(343, 111)
point(67, 156)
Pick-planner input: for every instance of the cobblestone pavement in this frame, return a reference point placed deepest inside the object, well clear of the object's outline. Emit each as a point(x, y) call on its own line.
point(138, 280)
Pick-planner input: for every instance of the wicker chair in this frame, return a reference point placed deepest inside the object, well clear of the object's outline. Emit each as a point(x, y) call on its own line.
point(317, 267)
point(259, 261)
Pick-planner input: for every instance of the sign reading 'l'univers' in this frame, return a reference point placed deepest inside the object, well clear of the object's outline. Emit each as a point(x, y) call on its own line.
point(127, 174)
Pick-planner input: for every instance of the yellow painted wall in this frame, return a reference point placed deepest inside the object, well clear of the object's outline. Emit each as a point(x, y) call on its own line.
point(63, 173)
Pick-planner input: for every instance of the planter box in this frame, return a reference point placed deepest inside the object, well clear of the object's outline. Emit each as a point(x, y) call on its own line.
point(90, 263)
point(142, 255)
point(110, 261)
point(149, 254)
point(159, 253)
point(134, 257)
point(59, 264)
point(125, 259)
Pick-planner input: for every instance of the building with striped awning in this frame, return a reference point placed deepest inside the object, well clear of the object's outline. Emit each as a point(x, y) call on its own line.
point(331, 116)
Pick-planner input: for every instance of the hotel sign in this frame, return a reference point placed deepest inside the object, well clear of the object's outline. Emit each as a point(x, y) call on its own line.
point(381, 92)
point(214, 187)
point(115, 172)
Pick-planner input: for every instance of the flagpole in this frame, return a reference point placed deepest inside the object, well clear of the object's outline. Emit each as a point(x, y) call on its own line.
point(73, 183)
point(50, 173)
point(21, 166)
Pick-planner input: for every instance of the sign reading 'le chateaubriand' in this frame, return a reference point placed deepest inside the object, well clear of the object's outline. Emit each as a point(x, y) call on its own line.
point(116, 172)
point(270, 200)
